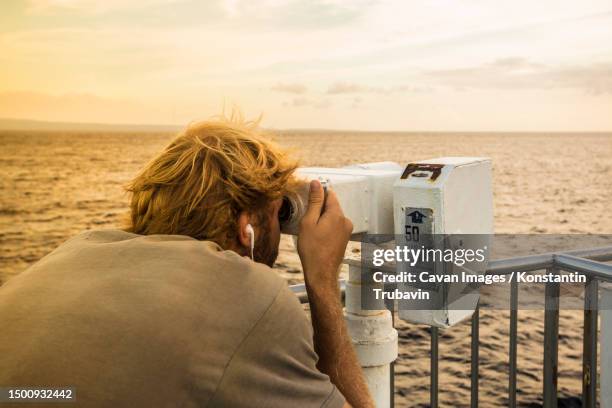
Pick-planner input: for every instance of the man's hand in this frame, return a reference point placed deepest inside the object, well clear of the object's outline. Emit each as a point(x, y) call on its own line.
point(324, 234)
point(321, 244)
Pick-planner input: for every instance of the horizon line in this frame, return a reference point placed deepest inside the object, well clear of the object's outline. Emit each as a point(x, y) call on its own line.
point(21, 124)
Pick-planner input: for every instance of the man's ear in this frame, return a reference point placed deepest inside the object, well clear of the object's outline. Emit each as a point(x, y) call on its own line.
point(244, 238)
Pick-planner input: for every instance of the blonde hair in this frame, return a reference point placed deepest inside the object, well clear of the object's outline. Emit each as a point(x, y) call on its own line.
point(199, 184)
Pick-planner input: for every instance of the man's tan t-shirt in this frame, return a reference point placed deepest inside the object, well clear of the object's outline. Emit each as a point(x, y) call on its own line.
point(160, 320)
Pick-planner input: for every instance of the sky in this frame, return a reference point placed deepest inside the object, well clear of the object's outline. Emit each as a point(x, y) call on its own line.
point(478, 65)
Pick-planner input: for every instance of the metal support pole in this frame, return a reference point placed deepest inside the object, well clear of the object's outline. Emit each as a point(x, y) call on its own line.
point(474, 357)
point(512, 345)
point(589, 354)
point(372, 333)
point(551, 342)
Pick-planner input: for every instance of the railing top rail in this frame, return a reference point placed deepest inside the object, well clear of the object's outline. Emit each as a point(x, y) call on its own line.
point(588, 267)
point(542, 261)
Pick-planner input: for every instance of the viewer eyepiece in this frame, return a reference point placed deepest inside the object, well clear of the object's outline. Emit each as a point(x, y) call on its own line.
point(286, 211)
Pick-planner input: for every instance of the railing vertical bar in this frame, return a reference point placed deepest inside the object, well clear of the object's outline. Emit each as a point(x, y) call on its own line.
point(392, 367)
point(474, 357)
point(589, 355)
point(433, 397)
point(512, 345)
point(551, 341)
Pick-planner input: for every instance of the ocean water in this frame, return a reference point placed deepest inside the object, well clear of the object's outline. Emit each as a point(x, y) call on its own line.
point(56, 184)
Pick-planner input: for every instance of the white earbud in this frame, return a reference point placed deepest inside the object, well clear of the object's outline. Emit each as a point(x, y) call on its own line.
point(251, 232)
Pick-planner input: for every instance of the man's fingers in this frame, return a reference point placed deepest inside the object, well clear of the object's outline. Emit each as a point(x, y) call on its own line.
point(333, 210)
point(332, 205)
point(315, 202)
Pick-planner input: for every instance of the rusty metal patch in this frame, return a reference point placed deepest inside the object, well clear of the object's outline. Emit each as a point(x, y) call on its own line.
point(435, 170)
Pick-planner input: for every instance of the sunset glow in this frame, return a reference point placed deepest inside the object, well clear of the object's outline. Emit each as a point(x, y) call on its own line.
point(386, 65)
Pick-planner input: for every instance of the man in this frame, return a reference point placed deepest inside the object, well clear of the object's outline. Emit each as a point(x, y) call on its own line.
point(173, 311)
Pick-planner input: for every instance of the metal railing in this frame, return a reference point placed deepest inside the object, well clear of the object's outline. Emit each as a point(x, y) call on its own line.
point(585, 261)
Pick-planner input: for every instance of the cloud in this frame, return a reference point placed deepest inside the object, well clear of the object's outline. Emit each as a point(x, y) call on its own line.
point(298, 14)
point(300, 102)
point(593, 78)
point(520, 73)
point(344, 88)
point(513, 63)
point(294, 88)
point(401, 89)
point(339, 88)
